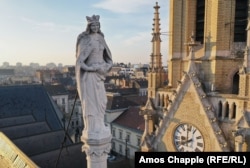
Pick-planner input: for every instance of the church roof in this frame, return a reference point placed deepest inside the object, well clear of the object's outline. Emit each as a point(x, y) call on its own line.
point(120, 102)
point(25, 102)
point(30, 120)
point(124, 91)
point(40, 143)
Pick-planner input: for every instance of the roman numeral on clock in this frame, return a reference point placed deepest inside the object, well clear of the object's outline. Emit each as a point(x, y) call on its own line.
point(183, 127)
point(197, 150)
point(200, 144)
point(198, 137)
point(177, 137)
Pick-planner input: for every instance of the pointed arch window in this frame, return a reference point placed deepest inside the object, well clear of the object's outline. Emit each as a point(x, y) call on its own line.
point(226, 110)
point(159, 100)
point(236, 80)
point(233, 115)
point(220, 110)
point(163, 100)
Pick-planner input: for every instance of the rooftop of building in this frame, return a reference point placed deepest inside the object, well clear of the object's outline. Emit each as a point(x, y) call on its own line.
point(29, 119)
point(131, 119)
point(119, 102)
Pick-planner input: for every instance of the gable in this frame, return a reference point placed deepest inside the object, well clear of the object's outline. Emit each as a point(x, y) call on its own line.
point(190, 106)
point(191, 111)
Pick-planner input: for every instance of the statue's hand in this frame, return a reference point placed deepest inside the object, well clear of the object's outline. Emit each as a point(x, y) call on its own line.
point(101, 70)
point(89, 69)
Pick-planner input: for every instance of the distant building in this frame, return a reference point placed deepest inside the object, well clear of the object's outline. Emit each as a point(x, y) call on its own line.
point(114, 71)
point(5, 65)
point(20, 80)
point(7, 72)
point(69, 71)
point(138, 74)
point(5, 75)
point(141, 85)
point(47, 76)
point(122, 115)
point(34, 65)
point(60, 96)
point(118, 81)
point(127, 132)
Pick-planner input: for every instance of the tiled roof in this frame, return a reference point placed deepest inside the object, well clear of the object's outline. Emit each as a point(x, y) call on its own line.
point(27, 100)
point(12, 121)
point(124, 91)
point(24, 130)
point(120, 102)
point(137, 100)
point(131, 119)
point(40, 143)
point(30, 121)
point(116, 102)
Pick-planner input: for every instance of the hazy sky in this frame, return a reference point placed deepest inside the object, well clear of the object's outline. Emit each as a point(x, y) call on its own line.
point(44, 31)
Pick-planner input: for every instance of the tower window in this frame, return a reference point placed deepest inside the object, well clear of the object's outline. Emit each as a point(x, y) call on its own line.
point(200, 14)
point(236, 80)
point(240, 23)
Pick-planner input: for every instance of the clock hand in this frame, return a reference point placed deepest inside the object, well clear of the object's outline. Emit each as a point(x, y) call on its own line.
point(190, 140)
point(187, 135)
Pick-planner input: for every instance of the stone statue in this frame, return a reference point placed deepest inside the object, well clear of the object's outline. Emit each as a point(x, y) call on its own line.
point(93, 62)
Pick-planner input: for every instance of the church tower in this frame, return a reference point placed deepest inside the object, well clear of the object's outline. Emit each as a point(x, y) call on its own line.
point(219, 26)
point(156, 72)
point(205, 107)
point(244, 70)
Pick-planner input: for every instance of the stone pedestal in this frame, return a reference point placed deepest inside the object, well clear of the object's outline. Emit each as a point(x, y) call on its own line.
point(97, 151)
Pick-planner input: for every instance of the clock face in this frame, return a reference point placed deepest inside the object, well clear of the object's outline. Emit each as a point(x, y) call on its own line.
point(187, 138)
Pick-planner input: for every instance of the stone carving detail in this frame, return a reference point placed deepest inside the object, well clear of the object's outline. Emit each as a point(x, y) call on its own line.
point(238, 49)
point(97, 153)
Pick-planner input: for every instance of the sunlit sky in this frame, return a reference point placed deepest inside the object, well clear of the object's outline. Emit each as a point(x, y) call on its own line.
point(45, 31)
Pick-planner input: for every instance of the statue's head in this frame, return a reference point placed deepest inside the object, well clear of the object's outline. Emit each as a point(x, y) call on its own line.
point(93, 21)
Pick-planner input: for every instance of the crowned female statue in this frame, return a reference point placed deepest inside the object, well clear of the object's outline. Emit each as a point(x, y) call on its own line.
point(93, 62)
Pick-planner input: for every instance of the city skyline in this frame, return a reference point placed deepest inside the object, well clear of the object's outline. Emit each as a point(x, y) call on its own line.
point(45, 31)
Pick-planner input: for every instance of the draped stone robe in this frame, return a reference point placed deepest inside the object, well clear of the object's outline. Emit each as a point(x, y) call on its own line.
point(92, 51)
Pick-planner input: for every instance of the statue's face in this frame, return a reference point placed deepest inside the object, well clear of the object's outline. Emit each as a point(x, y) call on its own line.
point(94, 27)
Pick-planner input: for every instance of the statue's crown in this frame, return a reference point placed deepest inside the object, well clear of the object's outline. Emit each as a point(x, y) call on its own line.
point(94, 18)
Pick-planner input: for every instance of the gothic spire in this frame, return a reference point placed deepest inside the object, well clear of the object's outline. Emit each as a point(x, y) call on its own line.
point(156, 62)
